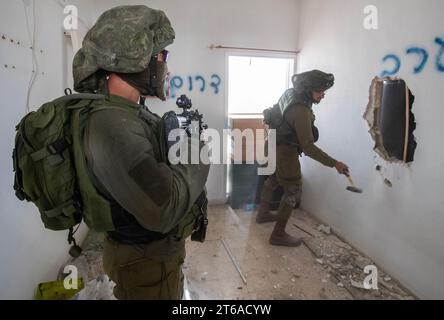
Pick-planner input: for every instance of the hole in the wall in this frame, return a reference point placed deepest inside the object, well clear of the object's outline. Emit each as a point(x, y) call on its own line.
point(391, 120)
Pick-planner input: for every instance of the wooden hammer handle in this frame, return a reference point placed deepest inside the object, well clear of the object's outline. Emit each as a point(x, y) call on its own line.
point(351, 180)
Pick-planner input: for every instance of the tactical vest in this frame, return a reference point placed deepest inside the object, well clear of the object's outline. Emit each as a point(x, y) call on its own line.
point(285, 134)
point(127, 230)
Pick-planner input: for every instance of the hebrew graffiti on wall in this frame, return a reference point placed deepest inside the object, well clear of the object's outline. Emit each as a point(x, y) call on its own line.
point(195, 83)
point(393, 61)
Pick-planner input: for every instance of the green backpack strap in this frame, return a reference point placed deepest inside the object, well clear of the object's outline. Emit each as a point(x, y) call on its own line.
point(88, 97)
point(97, 211)
point(18, 175)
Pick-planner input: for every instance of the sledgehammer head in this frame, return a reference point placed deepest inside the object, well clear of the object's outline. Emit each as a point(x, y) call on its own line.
point(354, 189)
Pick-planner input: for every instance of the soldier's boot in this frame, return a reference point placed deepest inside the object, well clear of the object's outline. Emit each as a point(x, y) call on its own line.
point(263, 213)
point(279, 237)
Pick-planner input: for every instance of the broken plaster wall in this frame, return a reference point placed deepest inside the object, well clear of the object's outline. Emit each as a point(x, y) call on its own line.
point(399, 227)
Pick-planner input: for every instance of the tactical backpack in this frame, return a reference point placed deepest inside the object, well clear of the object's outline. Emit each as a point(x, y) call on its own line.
point(46, 172)
point(274, 118)
point(50, 171)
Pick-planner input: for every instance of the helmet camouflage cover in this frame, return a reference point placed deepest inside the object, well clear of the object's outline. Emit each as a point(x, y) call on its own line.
point(123, 40)
point(314, 80)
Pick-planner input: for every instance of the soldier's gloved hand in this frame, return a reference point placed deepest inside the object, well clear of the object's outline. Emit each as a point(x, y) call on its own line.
point(342, 168)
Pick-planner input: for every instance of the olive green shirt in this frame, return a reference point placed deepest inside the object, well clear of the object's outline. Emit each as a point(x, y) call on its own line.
point(122, 152)
point(300, 119)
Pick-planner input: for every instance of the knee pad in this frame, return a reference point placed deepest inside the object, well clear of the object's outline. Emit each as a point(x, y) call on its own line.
point(293, 195)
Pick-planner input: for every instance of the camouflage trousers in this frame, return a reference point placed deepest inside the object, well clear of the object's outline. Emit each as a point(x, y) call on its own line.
point(292, 193)
point(288, 175)
point(145, 272)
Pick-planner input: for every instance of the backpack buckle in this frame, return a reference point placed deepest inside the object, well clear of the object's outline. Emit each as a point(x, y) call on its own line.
point(56, 149)
point(75, 251)
point(59, 145)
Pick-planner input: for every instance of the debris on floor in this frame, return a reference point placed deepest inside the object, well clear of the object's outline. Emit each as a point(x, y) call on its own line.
point(347, 268)
point(100, 288)
point(325, 267)
point(237, 250)
point(90, 268)
point(324, 229)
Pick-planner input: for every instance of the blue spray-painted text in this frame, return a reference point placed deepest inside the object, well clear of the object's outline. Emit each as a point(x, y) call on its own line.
point(197, 82)
point(393, 61)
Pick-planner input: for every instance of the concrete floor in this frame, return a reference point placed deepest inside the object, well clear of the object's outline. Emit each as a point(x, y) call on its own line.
point(330, 269)
point(324, 267)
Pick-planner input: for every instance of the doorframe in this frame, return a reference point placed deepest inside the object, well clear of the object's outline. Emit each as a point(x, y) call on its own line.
point(244, 53)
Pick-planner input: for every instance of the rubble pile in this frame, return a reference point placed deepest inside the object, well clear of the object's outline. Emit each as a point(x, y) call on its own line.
point(349, 269)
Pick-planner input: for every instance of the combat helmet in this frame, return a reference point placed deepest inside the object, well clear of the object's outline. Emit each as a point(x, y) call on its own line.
point(314, 80)
point(123, 40)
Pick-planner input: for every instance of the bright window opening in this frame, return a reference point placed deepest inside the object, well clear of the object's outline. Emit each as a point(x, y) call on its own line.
point(256, 83)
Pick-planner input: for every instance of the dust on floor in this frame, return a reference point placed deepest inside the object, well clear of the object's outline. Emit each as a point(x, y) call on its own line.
point(237, 262)
point(237, 249)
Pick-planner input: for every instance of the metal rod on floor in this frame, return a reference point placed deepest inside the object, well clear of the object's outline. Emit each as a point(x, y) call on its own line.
point(300, 228)
point(234, 261)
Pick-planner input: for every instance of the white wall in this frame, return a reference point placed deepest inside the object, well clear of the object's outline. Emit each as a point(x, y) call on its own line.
point(401, 228)
point(200, 23)
point(29, 254)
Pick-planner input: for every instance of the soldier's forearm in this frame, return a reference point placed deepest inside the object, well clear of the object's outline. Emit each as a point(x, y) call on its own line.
point(312, 151)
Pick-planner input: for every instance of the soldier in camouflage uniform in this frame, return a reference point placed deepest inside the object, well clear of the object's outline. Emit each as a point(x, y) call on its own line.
point(298, 136)
point(123, 58)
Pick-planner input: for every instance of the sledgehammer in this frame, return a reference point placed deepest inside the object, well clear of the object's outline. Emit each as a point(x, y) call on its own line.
point(352, 186)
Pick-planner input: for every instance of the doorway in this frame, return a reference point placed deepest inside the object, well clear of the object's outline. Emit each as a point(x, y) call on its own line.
point(254, 83)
